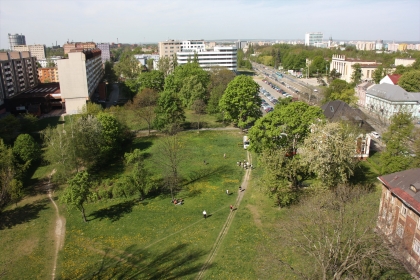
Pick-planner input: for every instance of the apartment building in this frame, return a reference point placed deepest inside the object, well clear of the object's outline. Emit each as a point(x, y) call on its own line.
point(53, 59)
point(18, 73)
point(366, 46)
point(344, 66)
point(169, 48)
point(15, 40)
point(312, 38)
point(48, 75)
point(37, 51)
point(78, 45)
point(224, 56)
point(399, 214)
point(80, 75)
point(105, 53)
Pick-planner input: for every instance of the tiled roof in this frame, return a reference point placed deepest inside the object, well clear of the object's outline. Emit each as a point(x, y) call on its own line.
point(394, 78)
point(400, 184)
point(393, 93)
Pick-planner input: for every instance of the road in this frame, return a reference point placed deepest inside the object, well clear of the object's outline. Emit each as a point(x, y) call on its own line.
point(114, 95)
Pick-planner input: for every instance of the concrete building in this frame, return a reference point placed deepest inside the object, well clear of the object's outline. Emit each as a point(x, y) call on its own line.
point(360, 92)
point(386, 100)
point(37, 51)
point(312, 38)
point(240, 44)
point(223, 56)
point(105, 53)
point(142, 59)
point(18, 73)
point(48, 75)
point(365, 46)
point(404, 61)
point(344, 66)
point(53, 59)
point(402, 47)
point(170, 48)
point(80, 75)
point(16, 40)
point(399, 214)
point(391, 79)
point(392, 47)
point(78, 45)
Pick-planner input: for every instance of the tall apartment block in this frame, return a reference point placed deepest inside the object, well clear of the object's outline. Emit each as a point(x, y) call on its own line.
point(169, 48)
point(18, 73)
point(80, 75)
point(313, 38)
point(37, 51)
point(105, 53)
point(16, 39)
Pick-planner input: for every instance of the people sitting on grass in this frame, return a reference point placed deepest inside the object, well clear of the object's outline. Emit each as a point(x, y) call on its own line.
point(178, 201)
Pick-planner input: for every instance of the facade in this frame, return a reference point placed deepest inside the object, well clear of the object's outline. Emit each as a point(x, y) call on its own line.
point(391, 79)
point(15, 40)
point(44, 62)
point(105, 53)
point(142, 59)
point(220, 56)
point(387, 100)
point(365, 46)
point(344, 65)
point(169, 48)
point(80, 75)
point(78, 45)
point(399, 214)
point(312, 38)
point(239, 45)
point(48, 75)
point(360, 92)
point(18, 73)
point(393, 47)
point(37, 51)
point(404, 61)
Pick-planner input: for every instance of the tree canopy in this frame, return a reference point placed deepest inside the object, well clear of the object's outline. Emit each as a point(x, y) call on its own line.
point(169, 112)
point(410, 81)
point(154, 80)
point(77, 191)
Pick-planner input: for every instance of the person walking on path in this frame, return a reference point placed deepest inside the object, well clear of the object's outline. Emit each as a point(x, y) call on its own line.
point(231, 208)
point(240, 188)
point(227, 192)
point(205, 214)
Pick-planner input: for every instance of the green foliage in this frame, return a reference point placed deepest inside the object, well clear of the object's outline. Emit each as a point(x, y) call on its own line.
point(378, 74)
point(169, 112)
point(7, 173)
point(219, 79)
point(191, 90)
point(154, 80)
point(113, 135)
point(356, 76)
point(9, 128)
point(109, 73)
point(144, 105)
point(329, 151)
point(318, 65)
point(336, 89)
point(285, 127)
point(26, 148)
point(347, 95)
point(91, 108)
point(77, 192)
point(182, 72)
point(127, 67)
point(165, 65)
point(28, 123)
point(396, 156)
point(410, 81)
point(139, 178)
point(241, 102)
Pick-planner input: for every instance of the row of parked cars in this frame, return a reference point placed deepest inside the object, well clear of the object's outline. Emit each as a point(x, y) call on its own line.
point(264, 103)
point(279, 90)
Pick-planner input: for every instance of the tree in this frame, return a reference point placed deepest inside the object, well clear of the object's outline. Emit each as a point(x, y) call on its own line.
point(396, 156)
point(169, 112)
point(91, 108)
point(219, 79)
point(199, 108)
point(356, 77)
point(127, 67)
point(329, 151)
point(26, 149)
point(28, 123)
point(9, 128)
point(191, 90)
point(416, 148)
point(16, 190)
point(169, 157)
point(154, 80)
point(77, 192)
point(109, 74)
point(410, 81)
point(347, 95)
point(285, 127)
point(144, 105)
point(333, 234)
point(378, 74)
point(318, 64)
point(241, 102)
point(150, 64)
point(182, 72)
point(7, 173)
point(138, 177)
point(113, 133)
point(165, 65)
point(88, 139)
point(334, 74)
point(336, 88)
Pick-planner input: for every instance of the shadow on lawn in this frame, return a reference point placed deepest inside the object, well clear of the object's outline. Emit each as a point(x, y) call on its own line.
point(114, 212)
point(174, 263)
point(23, 214)
point(203, 173)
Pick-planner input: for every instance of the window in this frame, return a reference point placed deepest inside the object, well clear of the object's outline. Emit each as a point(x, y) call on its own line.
point(400, 230)
point(404, 211)
point(416, 246)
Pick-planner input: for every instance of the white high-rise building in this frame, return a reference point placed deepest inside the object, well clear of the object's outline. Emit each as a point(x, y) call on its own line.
point(224, 56)
point(312, 38)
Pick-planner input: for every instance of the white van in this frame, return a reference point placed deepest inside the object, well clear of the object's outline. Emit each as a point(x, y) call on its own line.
point(246, 142)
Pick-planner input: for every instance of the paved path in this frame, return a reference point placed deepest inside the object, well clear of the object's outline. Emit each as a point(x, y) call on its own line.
point(227, 224)
point(60, 229)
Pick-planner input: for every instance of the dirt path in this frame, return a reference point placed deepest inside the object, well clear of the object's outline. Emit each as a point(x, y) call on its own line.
point(60, 230)
point(227, 224)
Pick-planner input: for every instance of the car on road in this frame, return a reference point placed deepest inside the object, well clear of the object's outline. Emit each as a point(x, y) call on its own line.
point(376, 134)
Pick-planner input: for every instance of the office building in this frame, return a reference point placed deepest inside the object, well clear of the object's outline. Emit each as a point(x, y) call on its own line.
point(240, 44)
point(18, 73)
point(224, 56)
point(80, 75)
point(37, 51)
point(169, 48)
point(344, 66)
point(52, 59)
point(16, 39)
point(312, 38)
point(105, 53)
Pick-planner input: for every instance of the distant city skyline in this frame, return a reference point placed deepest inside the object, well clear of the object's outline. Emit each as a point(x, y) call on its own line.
point(48, 22)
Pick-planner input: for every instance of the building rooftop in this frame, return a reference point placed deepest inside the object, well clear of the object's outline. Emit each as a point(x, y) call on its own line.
point(42, 90)
point(405, 185)
point(393, 93)
point(394, 78)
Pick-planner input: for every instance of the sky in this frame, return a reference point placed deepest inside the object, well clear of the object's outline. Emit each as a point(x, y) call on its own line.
point(139, 21)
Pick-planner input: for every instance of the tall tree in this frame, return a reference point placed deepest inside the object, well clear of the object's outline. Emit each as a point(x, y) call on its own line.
point(396, 156)
point(154, 79)
point(191, 90)
point(77, 192)
point(144, 105)
point(165, 66)
point(241, 102)
point(138, 176)
point(329, 151)
point(347, 95)
point(26, 149)
point(127, 67)
point(219, 79)
point(357, 74)
point(169, 112)
point(410, 81)
point(199, 108)
point(378, 74)
point(8, 174)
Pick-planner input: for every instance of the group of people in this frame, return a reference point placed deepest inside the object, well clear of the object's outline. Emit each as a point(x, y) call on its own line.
point(178, 201)
point(244, 164)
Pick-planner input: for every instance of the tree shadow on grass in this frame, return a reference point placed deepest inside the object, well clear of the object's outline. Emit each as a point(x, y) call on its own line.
point(174, 263)
point(114, 212)
point(203, 173)
point(23, 214)
point(363, 174)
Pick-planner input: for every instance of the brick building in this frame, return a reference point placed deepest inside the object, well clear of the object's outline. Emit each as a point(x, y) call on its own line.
point(48, 75)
